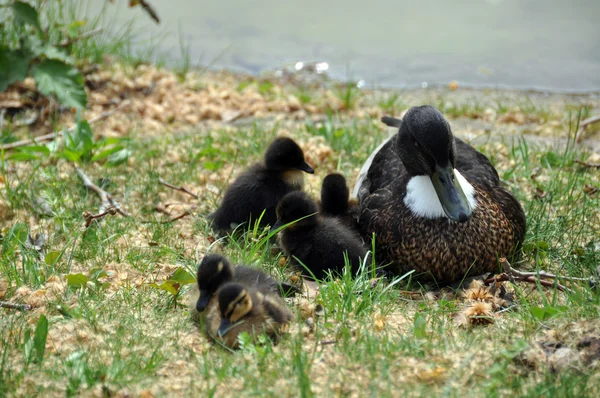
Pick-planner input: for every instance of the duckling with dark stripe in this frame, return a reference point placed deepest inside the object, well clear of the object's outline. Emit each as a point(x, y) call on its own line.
point(262, 186)
point(320, 243)
point(251, 309)
point(435, 204)
point(215, 270)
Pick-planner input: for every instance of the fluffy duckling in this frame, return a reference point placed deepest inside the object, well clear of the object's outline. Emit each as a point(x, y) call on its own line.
point(215, 270)
point(262, 186)
point(245, 309)
point(319, 243)
point(336, 202)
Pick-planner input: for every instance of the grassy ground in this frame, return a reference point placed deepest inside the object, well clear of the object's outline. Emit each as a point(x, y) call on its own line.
point(109, 303)
point(115, 334)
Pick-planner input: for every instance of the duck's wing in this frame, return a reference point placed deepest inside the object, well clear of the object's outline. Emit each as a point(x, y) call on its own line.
point(380, 168)
point(475, 166)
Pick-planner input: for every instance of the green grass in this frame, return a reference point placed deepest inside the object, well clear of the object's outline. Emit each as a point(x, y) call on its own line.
point(116, 333)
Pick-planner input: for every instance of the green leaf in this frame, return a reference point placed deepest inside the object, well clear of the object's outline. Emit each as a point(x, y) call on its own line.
point(83, 137)
point(168, 286)
point(420, 325)
point(29, 153)
point(22, 156)
point(39, 338)
point(27, 345)
point(118, 157)
point(57, 78)
point(183, 277)
point(106, 153)
point(70, 155)
point(97, 273)
point(76, 280)
point(14, 66)
point(52, 52)
point(36, 149)
point(52, 257)
point(26, 14)
point(544, 313)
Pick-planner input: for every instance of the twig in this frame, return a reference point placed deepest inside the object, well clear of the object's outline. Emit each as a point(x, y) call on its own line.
point(543, 274)
point(150, 10)
point(184, 214)
point(54, 135)
point(71, 40)
point(583, 125)
point(108, 205)
point(530, 279)
point(89, 217)
point(164, 211)
point(513, 275)
point(180, 189)
point(14, 306)
point(588, 164)
point(328, 342)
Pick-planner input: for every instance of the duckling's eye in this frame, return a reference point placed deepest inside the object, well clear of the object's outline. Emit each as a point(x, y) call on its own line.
point(416, 144)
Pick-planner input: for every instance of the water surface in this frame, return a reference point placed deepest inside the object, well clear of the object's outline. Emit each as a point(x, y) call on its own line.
point(541, 44)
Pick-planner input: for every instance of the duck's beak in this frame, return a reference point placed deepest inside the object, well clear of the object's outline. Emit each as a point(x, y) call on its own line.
point(306, 168)
point(224, 327)
point(203, 300)
point(453, 199)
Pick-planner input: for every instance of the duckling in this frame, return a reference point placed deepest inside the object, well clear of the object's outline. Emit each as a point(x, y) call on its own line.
point(336, 202)
point(215, 270)
point(261, 187)
point(246, 309)
point(435, 204)
point(320, 243)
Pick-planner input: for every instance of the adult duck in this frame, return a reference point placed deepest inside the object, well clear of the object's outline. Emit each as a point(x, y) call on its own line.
point(435, 204)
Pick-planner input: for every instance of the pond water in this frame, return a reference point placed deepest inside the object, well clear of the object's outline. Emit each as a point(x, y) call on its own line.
point(538, 44)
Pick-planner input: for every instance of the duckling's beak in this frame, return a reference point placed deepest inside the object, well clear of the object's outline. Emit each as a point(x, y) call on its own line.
point(224, 327)
point(453, 199)
point(278, 224)
point(203, 300)
point(306, 168)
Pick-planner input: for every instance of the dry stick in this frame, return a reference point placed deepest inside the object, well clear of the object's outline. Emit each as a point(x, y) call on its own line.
point(150, 10)
point(85, 35)
point(588, 164)
point(180, 189)
point(89, 217)
point(108, 205)
point(504, 262)
point(513, 275)
point(53, 135)
point(13, 306)
point(583, 125)
point(184, 214)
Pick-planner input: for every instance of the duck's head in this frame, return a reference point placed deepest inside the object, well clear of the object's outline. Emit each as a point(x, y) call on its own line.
point(213, 271)
point(294, 206)
point(235, 303)
point(284, 154)
point(334, 194)
point(426, 147)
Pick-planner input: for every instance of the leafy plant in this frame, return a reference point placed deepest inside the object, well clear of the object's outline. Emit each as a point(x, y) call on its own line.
point(34, 346)
point(51, 67)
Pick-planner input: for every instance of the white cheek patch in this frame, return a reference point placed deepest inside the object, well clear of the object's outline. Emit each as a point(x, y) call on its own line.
point(467, 189)
point(422, 200)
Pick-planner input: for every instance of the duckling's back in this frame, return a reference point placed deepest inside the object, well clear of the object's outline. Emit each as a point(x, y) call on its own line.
point(253, 192)
point(322, 248)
